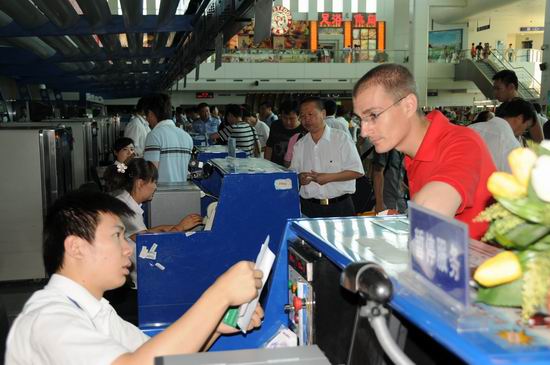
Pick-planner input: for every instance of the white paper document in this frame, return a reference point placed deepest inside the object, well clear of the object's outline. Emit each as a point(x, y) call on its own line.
point(264, 262)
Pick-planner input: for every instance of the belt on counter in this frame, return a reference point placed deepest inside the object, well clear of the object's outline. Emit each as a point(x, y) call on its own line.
point(328, 201)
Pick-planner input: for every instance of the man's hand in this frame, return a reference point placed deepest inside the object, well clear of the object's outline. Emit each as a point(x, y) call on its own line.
point(255, 322)
point(190, 221)
point(305, 178)
point(321, 178)
point(240, 283)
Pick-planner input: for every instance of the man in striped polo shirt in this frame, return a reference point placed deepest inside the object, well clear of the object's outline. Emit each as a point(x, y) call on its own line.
point(167, 146)
point(244, 134)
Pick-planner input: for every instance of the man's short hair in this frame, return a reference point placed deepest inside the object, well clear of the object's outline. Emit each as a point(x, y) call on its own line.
point(395, 79)
point(235, 110)
point(267, 104)
point(159, 104)
point(75, 214)
point(313, 99)
point(507, 77)
point(140, 106)
point(537, 107)
point(330, 107)
point(517, 107)
point(289, 106)
point(202, 105)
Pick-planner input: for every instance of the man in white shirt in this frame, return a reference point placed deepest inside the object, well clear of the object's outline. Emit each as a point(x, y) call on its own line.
point(501, 133)
point(262, 129)
point(331, 120)
point(328, 165)
point(137, 129)
point(86, 254)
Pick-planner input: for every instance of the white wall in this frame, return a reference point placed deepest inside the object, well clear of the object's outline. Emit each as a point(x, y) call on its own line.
point(504, 28)
point(446, 98)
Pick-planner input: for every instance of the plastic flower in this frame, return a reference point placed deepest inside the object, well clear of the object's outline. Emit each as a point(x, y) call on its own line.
point(521, 162)
point(121, 168)
point(540, 178)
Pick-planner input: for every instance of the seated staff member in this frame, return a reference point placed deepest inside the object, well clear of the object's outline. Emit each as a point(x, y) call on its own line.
point(85, 254)
point(447, 165)
point(327, 163)
point(135, 184)
point(123, 151)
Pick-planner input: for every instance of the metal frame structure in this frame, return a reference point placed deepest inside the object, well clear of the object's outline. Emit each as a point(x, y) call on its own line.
point(75, 45)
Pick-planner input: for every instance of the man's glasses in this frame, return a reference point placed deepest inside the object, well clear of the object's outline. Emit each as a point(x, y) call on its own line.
point(372, 117)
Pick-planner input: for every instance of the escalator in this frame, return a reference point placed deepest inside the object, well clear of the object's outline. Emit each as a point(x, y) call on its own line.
point(482, 72)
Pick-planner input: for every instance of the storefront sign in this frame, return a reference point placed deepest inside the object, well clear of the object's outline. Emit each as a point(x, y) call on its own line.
point(531, 29)
point(330, 20)
point(281, 20)
point(204, 95)
point(439, 251)
point(364, 20)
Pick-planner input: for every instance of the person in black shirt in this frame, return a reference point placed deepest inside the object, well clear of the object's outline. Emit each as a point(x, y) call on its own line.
point(281, 131)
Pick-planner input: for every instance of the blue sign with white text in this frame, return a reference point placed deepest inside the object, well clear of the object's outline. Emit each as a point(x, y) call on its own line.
point(439, 251)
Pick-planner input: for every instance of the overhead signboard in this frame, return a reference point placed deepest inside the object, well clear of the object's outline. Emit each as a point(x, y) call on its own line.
point(204, 95)
point(330, 20)
point(531, 29)
point(281, 20)
point(364, 20)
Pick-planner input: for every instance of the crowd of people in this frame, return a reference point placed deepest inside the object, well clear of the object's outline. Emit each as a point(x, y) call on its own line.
point(414, 154)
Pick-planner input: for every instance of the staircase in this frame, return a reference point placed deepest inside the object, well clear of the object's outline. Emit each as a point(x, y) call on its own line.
point(482, 72)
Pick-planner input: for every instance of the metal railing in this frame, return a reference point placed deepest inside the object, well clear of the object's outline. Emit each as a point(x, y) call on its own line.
point(259, 55)
point(529, 87)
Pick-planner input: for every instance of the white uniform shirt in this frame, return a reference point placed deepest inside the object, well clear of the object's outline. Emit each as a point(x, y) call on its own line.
point(137, 129)
point(337, 123)
point(133, 225)
point(262, 131)
point(499, 137)
point(64, 324)
point(334, 152)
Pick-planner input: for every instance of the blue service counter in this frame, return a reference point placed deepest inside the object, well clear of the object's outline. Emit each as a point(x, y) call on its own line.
point(338, 242)
point(254, 199)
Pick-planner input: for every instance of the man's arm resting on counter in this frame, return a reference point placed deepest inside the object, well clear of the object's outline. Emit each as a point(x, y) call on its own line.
point(323, 178)
point(440, 197)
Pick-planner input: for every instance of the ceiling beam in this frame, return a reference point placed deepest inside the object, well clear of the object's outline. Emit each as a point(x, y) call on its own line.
point(178, 23)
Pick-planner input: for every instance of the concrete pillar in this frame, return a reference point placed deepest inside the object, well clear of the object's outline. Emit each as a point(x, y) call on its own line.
point(545, 80)
point(312, 10)
point(418, 47)
point(385, 12)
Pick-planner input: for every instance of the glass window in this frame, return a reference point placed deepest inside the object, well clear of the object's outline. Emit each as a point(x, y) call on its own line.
point(371, 6)
point(320, 6)
point(286, 4)
point(354, 6)
point(182, 7)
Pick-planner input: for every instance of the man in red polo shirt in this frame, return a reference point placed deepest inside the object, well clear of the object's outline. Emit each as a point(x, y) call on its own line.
point(447, 165)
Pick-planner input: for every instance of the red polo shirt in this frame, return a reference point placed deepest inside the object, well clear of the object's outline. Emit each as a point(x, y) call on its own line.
point(457, 156)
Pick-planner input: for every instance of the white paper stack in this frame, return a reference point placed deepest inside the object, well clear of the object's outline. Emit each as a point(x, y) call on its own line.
point(264, 262)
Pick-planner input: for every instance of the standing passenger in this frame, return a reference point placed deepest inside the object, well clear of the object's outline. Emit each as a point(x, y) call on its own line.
point(167, 146)
point(327, 163)
point(447, 165)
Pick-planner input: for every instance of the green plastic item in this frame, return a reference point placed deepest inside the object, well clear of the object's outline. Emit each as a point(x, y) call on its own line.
point(231, 317)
